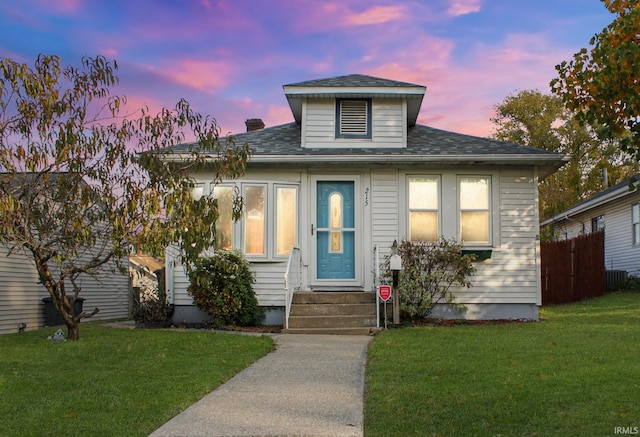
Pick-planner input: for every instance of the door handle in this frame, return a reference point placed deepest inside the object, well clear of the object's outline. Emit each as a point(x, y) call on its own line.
point(311, 228)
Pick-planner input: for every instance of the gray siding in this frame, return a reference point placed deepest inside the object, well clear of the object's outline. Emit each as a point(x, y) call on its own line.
point(510, 276)
point(388, 125)
point(619, 251)
point(512, 273)
point(21, 294)
point(385, 207)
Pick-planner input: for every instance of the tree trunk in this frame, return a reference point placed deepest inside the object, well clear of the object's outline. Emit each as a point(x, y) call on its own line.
point(73, 330)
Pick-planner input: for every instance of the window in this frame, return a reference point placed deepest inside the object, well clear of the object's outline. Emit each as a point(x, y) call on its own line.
point(353, 118)
point(423, 208)
point(268, 227)
point(474, 209)
point(335, 223)
point(254, 220)
point(635, 223)
point(286, 219)
point(224, 224)
point(597, 223)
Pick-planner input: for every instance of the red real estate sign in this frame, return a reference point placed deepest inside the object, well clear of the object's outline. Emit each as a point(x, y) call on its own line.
point(384, 291)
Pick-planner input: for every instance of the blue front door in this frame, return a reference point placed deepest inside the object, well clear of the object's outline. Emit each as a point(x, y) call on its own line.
point(335, 230)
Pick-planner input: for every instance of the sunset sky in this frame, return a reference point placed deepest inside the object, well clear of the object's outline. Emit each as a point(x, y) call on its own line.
point(230, 58)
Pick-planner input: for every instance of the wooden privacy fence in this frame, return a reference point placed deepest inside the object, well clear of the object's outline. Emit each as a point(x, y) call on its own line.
point(573, 269)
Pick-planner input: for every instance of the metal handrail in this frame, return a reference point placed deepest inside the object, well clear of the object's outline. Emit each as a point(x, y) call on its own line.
point(294, 268)
point(376, 282)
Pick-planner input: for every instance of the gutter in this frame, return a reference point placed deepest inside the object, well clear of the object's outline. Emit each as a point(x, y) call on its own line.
point(515, 159)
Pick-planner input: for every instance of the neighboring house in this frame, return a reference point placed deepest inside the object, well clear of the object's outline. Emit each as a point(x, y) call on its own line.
point(615, 210)
point(21, 293)
point(353, 173)
point(143, 266)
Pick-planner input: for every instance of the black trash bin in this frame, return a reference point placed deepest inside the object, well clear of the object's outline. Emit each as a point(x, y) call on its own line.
point(51, 316)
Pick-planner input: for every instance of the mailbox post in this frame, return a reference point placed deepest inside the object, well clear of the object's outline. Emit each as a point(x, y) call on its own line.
point(395, 264)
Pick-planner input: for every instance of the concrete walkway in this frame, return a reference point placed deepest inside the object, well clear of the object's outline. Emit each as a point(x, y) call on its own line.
point(311, 385)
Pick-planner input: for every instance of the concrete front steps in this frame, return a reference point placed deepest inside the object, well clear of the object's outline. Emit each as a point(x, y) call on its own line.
point(330, 312)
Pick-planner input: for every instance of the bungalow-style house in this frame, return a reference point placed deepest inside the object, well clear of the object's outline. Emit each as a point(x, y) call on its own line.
point(615, 210)
point(352, 173)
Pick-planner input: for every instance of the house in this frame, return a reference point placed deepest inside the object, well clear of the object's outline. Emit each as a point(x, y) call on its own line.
point(21, 306)
point(143, 266)
point(352, 173)
point(21, 293)
point(615, 210)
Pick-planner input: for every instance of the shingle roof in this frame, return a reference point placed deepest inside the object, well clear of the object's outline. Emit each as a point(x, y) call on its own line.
point(283, 144)
point(353, 80)
point(359, 85)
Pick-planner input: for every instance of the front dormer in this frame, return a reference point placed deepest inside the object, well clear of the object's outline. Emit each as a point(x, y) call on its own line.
point(354, 111)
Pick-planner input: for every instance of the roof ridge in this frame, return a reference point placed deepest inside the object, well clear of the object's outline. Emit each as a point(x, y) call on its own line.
point(354, 80)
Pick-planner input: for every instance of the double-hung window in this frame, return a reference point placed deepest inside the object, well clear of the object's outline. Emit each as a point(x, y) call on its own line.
point(597, 223)
point(474, 207)
point(424, 198)
point(353, 118)
point(255, 219)
point(635, 223)
point(286, 218)
point(224, 225)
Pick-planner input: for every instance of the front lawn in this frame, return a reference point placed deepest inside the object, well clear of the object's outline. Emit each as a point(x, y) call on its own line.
point(576, 373)
point(113, 382)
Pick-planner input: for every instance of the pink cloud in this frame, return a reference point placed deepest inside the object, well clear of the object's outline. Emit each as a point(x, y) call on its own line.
point(135, 102)
point(109, 52)
point(462, 92)
point(463, 7)
point(202, 75)
point(62, 6)
point(278, 115)
point(375, 15)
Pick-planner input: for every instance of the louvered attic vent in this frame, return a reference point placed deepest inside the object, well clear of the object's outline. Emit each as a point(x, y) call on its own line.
point(354, 119)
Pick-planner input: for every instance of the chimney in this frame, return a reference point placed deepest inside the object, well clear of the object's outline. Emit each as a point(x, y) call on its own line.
point(254, 124)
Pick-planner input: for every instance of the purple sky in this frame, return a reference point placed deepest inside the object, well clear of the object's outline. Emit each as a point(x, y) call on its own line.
point(230, 58)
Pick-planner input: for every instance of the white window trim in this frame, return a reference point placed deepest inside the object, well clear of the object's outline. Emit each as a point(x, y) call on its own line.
point(449, 214)
point(408, 209)
point(274, 244)
point(270, 223)
point(489, 211)
point(265, 224)
point(211, 192)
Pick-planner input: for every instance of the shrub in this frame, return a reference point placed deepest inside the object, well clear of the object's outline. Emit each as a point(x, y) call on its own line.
point(430, 269)
point(222, 285)
point(149, 302)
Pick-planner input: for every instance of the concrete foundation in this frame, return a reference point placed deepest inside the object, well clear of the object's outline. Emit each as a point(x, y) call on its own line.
point(184, 314)
point(488, 312)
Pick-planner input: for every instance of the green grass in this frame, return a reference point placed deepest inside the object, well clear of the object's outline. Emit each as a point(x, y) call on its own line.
point(576, 373)
point(114, 382)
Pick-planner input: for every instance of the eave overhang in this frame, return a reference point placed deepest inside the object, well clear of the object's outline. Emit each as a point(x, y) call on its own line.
point(546, 165)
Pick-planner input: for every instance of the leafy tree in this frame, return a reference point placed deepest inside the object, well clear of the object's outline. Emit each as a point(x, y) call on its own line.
point(601, 83)
point(539, 120)
point(81, 182)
